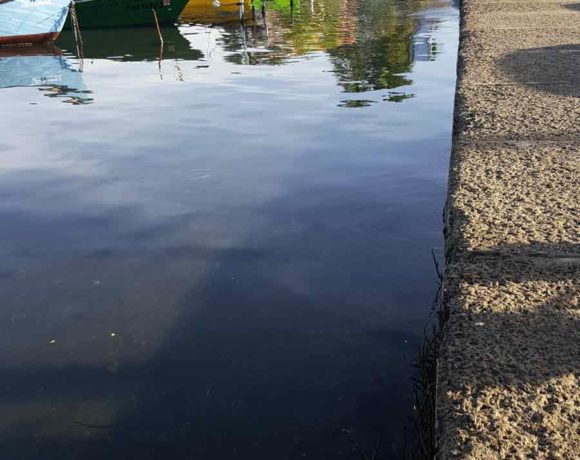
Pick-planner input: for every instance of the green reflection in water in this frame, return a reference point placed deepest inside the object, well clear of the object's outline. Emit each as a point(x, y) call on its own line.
point(370, 42)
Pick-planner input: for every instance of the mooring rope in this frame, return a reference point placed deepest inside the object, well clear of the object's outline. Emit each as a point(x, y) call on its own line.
point(77, 34)
point(158, 28)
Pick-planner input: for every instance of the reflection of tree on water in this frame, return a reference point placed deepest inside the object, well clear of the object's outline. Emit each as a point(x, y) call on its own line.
point(370, 42)
point(373, 65)
point(70, 95)
point(381, 53)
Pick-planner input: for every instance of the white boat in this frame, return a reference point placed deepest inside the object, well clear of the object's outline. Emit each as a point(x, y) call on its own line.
point(25, 22)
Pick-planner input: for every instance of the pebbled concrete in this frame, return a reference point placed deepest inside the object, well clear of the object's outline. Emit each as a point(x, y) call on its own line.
point(503, 56)
point(508, 378)
point(490, 7)
point(520, 111)
point(518, 197)
point(508, 375)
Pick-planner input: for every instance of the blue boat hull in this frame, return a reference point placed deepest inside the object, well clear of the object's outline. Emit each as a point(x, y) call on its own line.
point(25, 22)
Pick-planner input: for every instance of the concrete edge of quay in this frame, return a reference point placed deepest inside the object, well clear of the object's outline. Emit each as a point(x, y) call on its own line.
point(508, 352)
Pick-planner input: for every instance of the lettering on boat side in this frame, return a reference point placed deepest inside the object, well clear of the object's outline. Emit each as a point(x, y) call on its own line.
point(40, 2)
point(149, 5)
point(42, 81)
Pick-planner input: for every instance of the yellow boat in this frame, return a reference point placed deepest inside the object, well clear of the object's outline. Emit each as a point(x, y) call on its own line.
point(214, 11)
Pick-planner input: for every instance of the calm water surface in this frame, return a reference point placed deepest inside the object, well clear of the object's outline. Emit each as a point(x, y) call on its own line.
point(222, 249)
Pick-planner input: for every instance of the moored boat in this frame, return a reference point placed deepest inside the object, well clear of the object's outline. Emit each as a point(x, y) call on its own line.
point(214, 11)
point(27, 22)
point(93, 14)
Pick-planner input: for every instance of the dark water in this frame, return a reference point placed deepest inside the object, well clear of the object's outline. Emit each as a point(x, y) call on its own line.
point(223, 251)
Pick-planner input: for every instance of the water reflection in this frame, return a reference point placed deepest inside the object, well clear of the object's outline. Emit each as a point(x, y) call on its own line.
point(372, 45)
point(44, 68)
point(213, 260)
point(138, 44)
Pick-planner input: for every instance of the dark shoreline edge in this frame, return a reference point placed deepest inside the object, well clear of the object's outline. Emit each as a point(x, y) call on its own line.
point(425, 446)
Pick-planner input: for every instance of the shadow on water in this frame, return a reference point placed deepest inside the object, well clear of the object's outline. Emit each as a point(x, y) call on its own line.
point(293, 338)
point(267, 358)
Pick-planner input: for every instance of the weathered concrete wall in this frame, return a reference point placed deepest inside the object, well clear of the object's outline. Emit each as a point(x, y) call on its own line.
point(509, 363)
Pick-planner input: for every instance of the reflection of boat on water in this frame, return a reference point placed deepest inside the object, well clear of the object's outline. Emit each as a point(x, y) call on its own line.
point(226, 11)
point(213, 12)
point(31, 21)
point(45, 68)
point(131, 44)
point(95, 14)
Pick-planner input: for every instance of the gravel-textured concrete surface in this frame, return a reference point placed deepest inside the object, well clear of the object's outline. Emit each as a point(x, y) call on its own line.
point(490, 7)
point(508, 381)
point(504, 56)
point(519, 111)
point(557, 18)
point(518, 197)
point(508, 375)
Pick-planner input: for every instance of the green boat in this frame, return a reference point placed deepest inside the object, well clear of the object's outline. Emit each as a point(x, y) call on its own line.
point(96, 14)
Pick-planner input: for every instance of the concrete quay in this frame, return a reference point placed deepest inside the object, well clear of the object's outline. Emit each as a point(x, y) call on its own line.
point(508, 369)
